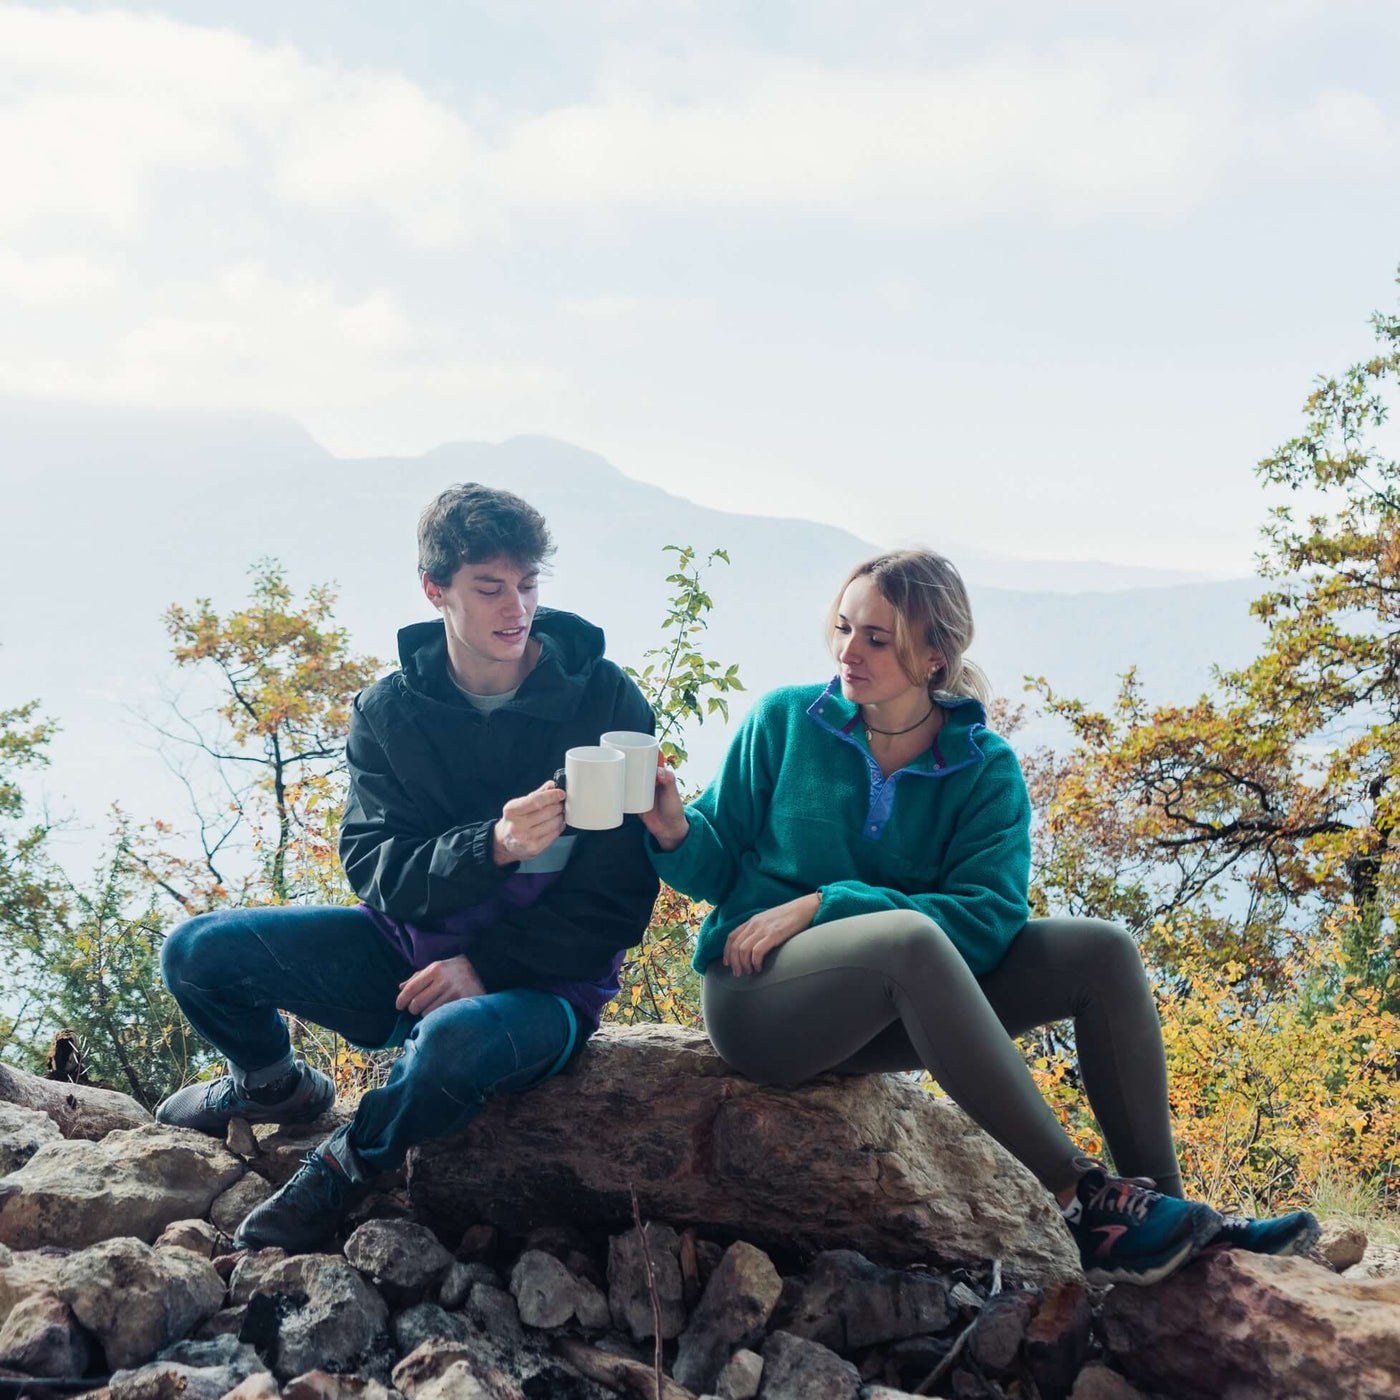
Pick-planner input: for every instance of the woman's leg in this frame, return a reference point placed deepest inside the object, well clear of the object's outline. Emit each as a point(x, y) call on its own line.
point(1091, 970)
point(1087, 970)
point(835, 987)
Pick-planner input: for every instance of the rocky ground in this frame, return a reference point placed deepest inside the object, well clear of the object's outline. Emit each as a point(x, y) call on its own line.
point(116, 1276)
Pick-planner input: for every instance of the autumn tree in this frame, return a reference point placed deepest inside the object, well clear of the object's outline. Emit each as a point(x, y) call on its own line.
point(1248, 836)
point(284, 676)
point(1285, 780)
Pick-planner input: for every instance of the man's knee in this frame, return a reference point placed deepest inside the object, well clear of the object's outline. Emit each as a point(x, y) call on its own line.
point(461, 1048)
point(195, 954)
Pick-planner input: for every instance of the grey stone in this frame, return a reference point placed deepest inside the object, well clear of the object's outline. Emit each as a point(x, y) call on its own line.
point(23, 1272)
point(133, 1183)
point(250, 1271)
point(192, 1370)
point(41, 1337)
point(591, 1306)
point(459, 1280)
point(239, 1139)
point(493, 1310)
point(739, 1380)
point(1099, 1382)
point(23, 1131)
point(196, 1235)
point(1000, 1330)
point(136, 1299)
point(732, 1312)
point(1341, 1244)
point(426, 1322)
point(227, 1322)
point(314, 1312)
point(404, 1260)
point(847, 1303)
point(628, 1294)
point(228, 1210)
point(545, 1292)
point(326, 1385)
point(263, 1386)
point(454, 1371)
point(795, 1368)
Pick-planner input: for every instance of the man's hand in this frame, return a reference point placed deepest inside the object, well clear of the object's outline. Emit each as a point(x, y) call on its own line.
point(452, 979)
point(528, 824)
point(747, 945)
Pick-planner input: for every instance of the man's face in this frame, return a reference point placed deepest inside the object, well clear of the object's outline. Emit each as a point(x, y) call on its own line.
point(488, 607)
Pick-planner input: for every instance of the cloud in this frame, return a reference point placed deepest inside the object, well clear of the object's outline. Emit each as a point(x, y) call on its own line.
point(104, 110)
point(249, 338)
point(102, 107)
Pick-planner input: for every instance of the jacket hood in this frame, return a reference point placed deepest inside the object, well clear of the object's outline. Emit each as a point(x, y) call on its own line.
point(570, 649)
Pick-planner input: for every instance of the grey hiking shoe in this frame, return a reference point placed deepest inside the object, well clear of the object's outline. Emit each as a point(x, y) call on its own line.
point(207, 1106)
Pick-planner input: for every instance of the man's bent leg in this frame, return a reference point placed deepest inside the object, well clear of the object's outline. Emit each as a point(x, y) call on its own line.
point(231, 970)
point(455, 1060)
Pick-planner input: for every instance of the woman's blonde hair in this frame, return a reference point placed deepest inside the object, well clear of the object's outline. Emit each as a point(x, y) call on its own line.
point(931, 608)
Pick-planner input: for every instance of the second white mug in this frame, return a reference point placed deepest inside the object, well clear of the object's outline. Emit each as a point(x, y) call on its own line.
point(640, 751)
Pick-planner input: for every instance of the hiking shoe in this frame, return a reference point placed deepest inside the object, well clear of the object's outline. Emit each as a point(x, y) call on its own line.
point(302, 1215)
point(209, 1106)
point(1128, 1233)
point(1294, 1233)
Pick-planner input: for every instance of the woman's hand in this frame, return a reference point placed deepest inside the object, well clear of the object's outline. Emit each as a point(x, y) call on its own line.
point(667, 820)
point(755, 938)
point(452, 979)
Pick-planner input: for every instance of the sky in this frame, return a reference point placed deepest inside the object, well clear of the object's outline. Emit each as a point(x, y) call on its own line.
point(1027, 278)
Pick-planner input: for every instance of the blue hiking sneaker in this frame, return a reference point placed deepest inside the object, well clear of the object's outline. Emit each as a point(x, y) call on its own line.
point(209, 1106)
point(1128, 1233)
point(302, 1215)
point(1294, 1233)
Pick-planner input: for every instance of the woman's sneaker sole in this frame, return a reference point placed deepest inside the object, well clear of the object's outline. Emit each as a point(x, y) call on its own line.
point(1152, 1273)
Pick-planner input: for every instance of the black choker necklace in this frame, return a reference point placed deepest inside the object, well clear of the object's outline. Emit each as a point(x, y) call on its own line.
point(870, 728)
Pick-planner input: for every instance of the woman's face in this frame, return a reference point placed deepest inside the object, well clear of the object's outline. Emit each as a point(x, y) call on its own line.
point(870, 672)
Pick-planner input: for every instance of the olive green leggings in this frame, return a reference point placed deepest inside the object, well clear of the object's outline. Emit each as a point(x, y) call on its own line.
point(889, 991)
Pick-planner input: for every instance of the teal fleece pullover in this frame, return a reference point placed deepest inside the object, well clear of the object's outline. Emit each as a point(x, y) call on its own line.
point(800, 805)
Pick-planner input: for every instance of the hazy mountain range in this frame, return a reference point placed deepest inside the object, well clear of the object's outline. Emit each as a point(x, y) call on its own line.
point(111, 515)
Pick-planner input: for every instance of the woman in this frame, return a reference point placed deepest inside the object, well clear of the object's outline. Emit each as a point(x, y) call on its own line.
point(866, 847)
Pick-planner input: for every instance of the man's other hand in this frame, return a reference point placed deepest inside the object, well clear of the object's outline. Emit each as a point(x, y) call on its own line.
point(528, 824)
point(452, 979)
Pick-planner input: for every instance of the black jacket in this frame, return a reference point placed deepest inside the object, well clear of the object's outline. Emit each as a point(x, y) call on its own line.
point(429, 775)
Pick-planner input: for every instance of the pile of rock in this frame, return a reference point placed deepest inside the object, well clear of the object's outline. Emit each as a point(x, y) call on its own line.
point(116, 1264)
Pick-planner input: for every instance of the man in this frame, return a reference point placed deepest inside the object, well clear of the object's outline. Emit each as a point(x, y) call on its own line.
point(488, 941)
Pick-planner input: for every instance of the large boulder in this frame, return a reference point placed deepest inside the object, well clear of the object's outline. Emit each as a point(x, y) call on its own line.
point(23, 1131)
point(134, 1183)
point(41, 1337)
point(78, 1110)
point(24, 1273)
point(1240, 1326)
point(872, 1163)
point(135, 1299)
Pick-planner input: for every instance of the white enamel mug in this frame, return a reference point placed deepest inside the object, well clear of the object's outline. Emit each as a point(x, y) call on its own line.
point(594, 781)
point(640, 751)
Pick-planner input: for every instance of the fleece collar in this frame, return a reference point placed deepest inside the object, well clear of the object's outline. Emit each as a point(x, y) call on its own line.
point(952, 746)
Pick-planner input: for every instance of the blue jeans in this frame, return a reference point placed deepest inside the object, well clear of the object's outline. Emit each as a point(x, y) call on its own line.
point(233, 969)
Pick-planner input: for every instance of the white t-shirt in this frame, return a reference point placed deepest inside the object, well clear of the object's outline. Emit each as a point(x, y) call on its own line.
point(484, 703)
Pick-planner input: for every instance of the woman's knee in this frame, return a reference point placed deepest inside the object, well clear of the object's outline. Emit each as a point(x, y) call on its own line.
point(1105, 951)
point(909, 944)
